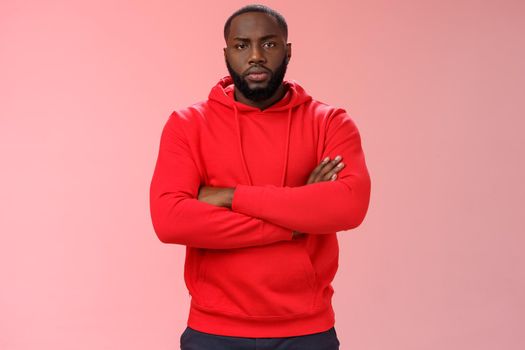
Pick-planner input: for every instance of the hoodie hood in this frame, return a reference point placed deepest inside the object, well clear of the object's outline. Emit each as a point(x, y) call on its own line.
point(223, 93)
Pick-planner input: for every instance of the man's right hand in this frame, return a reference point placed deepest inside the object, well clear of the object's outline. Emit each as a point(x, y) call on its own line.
point(326, 170)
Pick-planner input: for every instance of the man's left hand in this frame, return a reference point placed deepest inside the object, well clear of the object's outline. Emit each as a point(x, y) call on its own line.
point(218, 196)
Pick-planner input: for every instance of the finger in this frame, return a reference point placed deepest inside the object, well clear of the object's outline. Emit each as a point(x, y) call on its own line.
point(314, 174)
point(298, 235)
point(325, 170)
point(332, 174)
point(328, 168)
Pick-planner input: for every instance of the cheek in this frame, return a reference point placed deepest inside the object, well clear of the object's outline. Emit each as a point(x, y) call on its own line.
point(236, 61)
point(277, 58)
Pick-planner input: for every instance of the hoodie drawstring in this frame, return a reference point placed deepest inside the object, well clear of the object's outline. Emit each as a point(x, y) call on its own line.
point(285, 167)
point(287, 147)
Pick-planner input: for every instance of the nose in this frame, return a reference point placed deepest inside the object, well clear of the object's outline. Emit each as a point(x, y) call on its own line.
point(257, 55)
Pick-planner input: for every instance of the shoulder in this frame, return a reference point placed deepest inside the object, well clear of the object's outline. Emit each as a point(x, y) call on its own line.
point(189, 113)
point(188, 117)
point(330, 116)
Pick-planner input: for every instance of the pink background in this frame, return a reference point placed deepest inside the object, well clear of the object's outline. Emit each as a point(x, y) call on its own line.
point(435, 87)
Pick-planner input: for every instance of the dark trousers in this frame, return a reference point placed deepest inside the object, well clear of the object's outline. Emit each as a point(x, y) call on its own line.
point(192, 339)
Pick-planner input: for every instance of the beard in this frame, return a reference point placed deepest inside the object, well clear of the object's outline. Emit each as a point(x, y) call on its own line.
point(259, 94)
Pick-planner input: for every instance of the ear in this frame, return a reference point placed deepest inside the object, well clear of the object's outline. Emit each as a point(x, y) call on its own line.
point(289, 50)
point(224, 50)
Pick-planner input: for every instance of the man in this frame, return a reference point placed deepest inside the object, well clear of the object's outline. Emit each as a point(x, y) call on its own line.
point(255, 182)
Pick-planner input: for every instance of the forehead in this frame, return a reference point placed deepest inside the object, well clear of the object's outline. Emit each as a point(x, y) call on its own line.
point(253, 24)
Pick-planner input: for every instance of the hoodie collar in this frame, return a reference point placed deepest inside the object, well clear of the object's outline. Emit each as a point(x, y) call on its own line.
point(295, 95)
point(283, 102)
point(222, 93)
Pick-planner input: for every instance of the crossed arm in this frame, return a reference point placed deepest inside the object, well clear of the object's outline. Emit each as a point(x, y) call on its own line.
point(223, 196)
point(184, 212)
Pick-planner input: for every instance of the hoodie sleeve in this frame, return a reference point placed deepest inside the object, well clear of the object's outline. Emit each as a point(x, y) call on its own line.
point(321, 207)
point(179, 217)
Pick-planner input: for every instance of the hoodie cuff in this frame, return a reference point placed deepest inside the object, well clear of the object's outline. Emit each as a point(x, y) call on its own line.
point(247, 200)
point(273, 233)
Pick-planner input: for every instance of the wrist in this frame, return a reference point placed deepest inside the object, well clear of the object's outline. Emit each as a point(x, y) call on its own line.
point(229, 197)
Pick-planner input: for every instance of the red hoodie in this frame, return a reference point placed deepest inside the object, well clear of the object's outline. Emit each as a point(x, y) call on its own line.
point(246, 276)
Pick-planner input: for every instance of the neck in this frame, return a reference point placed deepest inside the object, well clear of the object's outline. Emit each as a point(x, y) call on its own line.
point(278, 95)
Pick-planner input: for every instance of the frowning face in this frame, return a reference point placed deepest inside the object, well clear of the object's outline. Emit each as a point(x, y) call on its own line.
point(256, 55)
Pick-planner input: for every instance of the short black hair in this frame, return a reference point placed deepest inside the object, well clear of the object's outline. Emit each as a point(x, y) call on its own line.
point(257, 8)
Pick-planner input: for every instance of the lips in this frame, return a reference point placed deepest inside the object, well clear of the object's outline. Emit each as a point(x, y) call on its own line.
point(257, 75)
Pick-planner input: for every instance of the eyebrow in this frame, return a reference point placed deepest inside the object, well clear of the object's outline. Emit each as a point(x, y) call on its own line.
point(263, 38)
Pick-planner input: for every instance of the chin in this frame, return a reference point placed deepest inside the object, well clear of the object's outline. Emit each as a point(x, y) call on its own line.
point(258, 83)
point(258, 86)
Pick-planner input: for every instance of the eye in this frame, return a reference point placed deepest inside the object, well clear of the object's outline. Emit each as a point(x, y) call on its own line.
point(270, 44)
point(240, 46)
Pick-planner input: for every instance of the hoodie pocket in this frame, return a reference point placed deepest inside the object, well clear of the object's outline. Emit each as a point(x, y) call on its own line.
point(275, 280)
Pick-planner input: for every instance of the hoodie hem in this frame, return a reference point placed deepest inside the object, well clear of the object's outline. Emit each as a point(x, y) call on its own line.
point(227, 325)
